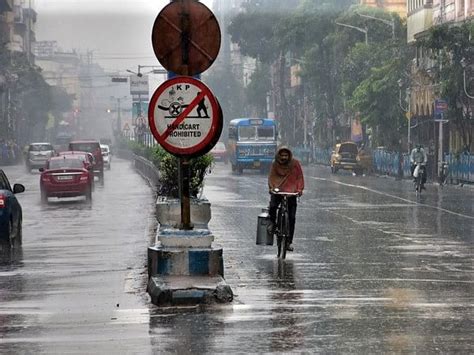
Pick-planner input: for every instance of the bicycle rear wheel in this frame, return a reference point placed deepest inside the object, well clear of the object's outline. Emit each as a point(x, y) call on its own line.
point(285, 233)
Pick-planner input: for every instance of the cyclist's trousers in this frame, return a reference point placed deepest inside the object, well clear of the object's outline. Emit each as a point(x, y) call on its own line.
point(423, 167)
point(292, 203)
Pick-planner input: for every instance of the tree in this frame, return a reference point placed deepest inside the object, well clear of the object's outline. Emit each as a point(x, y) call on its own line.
point(452, 48)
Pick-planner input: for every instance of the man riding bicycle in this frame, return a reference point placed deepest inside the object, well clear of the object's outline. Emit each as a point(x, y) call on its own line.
point(285, 175)
point(418, 156)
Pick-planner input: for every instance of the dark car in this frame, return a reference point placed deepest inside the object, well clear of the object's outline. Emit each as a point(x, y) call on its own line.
point(10, 211)
point(345, 157)
point(66, 176)
point(93, 147)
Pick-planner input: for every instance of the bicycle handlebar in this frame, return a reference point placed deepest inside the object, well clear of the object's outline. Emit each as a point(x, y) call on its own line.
point(284, 193)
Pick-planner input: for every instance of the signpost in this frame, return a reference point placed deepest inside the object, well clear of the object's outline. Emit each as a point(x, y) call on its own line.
point(441, 107)
point(186, 37)
point(184, 116)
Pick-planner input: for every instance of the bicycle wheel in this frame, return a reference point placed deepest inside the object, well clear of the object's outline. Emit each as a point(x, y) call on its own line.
point(278, 233)
point(285, 233)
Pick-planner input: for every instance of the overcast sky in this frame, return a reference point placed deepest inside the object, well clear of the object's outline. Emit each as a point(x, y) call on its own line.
point(117, 31)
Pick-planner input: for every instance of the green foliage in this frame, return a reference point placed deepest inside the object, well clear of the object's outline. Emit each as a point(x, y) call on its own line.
point(167, 165)
point(169, 177)
point(257, 89)
point(228, 90)
point(255, 34)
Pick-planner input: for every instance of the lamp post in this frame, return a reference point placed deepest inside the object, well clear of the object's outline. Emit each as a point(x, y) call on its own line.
point(464, 65)
point(118, 126)
point(363, 30)
point(391, 23)
point(407, 110)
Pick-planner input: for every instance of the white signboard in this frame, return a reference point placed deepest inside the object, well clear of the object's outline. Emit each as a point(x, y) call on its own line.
point(184, 116)
point(139, 85)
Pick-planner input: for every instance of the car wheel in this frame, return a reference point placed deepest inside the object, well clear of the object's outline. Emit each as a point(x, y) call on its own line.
point(233, 168)
point(240, 170)
point(89, 194)
point(44, 196)
point(10, 236)
point(19, 233)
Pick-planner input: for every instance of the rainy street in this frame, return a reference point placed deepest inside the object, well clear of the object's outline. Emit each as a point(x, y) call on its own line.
point(375, 270)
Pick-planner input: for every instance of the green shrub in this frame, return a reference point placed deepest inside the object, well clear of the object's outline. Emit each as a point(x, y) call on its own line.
point(168, 167)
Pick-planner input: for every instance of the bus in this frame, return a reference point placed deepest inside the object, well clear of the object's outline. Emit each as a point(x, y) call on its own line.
point(252, 143)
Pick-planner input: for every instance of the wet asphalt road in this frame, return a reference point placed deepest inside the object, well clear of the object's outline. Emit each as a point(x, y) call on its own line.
point(374, 271)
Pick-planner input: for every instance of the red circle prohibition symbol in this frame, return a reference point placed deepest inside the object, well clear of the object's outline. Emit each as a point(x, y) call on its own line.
point(180, 114)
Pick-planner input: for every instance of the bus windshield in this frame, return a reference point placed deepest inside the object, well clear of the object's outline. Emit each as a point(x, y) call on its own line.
point(265, 133)
point(247, 132)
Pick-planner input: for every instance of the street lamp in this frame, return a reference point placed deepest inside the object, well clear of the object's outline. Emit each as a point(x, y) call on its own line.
point(464, 65)
point(407, 110)
point(391, 23)
point(119, 113)
point(363, 30)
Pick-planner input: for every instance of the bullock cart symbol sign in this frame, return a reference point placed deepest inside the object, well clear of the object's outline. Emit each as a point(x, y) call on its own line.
point(185, 117)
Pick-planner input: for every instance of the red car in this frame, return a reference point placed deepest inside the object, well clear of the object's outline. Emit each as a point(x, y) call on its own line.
point(87, 157)
point(65, 176)
point(219, 152)
point(93, 147)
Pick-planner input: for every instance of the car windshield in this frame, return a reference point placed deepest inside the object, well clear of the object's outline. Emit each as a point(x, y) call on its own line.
point(219, 146)
point(85, 147)
point(348, 148)
point(40, 147)
point(66, 163)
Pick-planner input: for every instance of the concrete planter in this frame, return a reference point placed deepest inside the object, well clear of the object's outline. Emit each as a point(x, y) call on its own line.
point(168, 212)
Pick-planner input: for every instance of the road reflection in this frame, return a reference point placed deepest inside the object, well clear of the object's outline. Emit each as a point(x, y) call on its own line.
point(286, 333)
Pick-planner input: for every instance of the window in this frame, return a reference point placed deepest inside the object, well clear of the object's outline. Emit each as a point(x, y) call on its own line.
point(4, 183)
point(247, 133)
point(266, 133)
point(66, 163)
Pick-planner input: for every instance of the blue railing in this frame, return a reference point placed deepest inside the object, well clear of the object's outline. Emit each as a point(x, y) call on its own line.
point(386, 162)
point(322, 155)
point(460, 168)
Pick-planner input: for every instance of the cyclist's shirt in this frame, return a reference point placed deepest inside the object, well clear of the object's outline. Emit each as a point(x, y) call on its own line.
point(418, 156)
point(288, 177)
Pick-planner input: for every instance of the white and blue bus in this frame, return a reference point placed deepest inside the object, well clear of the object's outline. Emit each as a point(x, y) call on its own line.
point(252, 143)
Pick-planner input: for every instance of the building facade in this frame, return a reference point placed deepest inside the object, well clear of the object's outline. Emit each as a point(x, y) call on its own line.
point(398, 6)
point(424, 90)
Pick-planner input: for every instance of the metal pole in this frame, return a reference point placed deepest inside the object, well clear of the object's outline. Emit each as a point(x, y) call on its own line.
point(119, 118)
point(183, 163)
point(440, 151)
point(409, 123)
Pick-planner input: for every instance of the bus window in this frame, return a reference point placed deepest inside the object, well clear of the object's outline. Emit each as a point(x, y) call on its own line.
point(246, 132)
point(233, 133)
point(265, 133)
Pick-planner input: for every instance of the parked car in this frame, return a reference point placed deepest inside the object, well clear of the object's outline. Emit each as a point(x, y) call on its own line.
point(10, 211)
point(91, 146)
point(219, 152)
point(106, 155)
point(344, 156)
point(38, 154)
point(66, 176)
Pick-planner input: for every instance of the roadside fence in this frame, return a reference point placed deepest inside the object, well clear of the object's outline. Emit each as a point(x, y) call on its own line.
point(460, 168)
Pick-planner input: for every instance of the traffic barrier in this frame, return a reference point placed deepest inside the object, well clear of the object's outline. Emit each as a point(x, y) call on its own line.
point(460, 168)
point(322, 155)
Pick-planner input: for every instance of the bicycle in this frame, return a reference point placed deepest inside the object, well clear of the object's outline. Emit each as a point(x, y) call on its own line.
point(282, 230)
point(418, 175)
point(443, 174)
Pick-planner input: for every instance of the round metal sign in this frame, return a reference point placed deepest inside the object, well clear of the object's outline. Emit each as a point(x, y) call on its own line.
point(185, 117)
point(186, 37)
